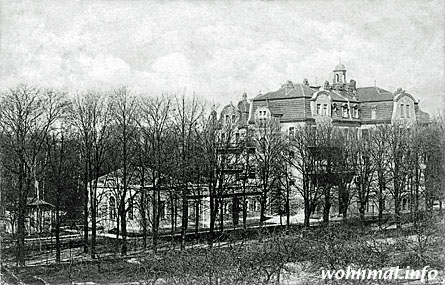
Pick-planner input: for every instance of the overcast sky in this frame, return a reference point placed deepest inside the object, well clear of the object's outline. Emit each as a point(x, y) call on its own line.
point(218, 49)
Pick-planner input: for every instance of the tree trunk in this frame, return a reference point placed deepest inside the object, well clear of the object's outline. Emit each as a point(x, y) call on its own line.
point(221, 215)
point(307, 213)
point(21, 224)
point(144, 218)
point(85, 211)
point(380, 197)
point(212, 217)
point(307, 200)
point(154, 220)
point(263, 202)
point(58, 225)
point(184, 223)
point(362, 210)
point(172, 219)
point(123, 218)
point(197, 202)
point(327, 205)
point(93, 221)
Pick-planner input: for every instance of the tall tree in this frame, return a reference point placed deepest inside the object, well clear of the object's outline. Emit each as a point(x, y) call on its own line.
point(398, 139)
point(186, 115)
point(26, 115)
point(124, 117)
point(62, 175)
point(302, 161)
point(380, 157)
point(270, 146)
point(155, 125)
point(91, 118)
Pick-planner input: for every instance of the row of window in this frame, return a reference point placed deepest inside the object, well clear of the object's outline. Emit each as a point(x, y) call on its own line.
point(262, 114)
point(347, 132)
point(228, 118)
point(323, 111)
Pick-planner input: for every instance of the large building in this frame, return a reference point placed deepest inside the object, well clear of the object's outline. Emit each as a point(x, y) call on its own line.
point(339, 101)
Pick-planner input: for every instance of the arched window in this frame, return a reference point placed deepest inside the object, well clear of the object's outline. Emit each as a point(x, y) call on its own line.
point(112, 207)
point(337, 78)
point(345, 111)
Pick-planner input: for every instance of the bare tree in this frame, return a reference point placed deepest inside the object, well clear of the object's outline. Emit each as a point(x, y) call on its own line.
point(124, 116)
point(91, 117)
point(62, 174)
point(155, 125)
point(207, 143)
point(399, 137)
point(302, 161)
point(26, 115)
point(364, 170)
point(186, 115)
point(269, 142)
point(379, 154)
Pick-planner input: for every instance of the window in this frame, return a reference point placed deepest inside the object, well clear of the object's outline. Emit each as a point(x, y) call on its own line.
point(407, 111)
point(356, 112)
point(291, 132)
point(373, 113)
point(112, 205)
point(237, 137)
point(402, 111)
point(233, 118)
point(261, 114)
point(325, 109)
point(345, 111)
point(318, 109)
point(365, 134)
point(337, 78)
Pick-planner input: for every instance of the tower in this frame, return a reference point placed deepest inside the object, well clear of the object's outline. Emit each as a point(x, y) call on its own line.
point(339, 74)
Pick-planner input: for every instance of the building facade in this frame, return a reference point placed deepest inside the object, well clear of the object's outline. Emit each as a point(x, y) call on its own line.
point(340, 103)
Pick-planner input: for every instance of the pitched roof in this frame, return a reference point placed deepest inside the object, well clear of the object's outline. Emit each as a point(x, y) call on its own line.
point(288, 109)
point(373, 94)
point(338, 95)
point(298, 90)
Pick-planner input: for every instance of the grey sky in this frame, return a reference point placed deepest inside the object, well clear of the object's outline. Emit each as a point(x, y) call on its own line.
point(218, 49)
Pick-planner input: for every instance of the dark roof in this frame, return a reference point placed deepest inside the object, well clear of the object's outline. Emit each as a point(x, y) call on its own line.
point(288, 109)
point(343, 96)
point(298, 90)
point(373, 94)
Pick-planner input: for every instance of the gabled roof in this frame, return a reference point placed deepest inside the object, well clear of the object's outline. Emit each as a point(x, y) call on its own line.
point(373, 94)
point(298, 90)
